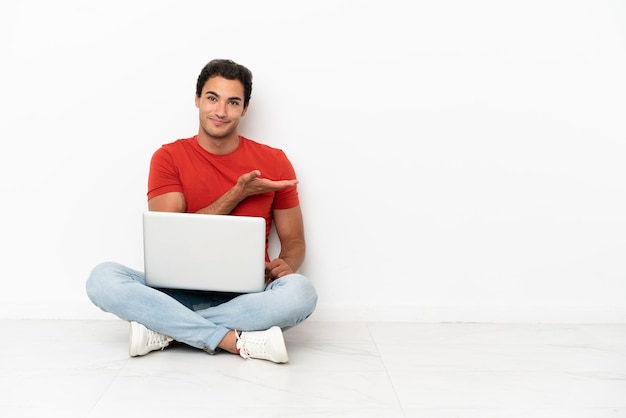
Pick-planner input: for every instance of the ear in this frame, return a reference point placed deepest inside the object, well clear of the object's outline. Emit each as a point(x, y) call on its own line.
point(245, 109)
point(197, 101)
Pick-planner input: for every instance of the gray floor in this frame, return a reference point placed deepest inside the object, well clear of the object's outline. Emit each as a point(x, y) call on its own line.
point(82, 369)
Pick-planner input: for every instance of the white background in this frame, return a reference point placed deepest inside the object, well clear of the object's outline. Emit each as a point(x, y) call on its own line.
point(458, 160)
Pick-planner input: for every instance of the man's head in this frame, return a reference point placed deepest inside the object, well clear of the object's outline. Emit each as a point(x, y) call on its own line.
point(229, 70)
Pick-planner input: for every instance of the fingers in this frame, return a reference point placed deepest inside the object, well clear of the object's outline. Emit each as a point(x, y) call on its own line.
point(277, 268)
point(251, 176)
point(253, 179)
point(251, 184)
point(279, 184)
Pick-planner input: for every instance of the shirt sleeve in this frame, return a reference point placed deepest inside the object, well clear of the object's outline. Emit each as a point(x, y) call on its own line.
point(286, 198)
point(164, 174)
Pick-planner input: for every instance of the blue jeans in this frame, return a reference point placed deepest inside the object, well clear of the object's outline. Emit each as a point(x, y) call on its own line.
point(199, 319)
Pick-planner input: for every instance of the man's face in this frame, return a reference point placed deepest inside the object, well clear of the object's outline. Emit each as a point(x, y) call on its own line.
point(221, 106)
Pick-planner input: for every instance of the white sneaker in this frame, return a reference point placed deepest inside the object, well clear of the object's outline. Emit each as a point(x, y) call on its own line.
point(264, 345)
point(143, 340)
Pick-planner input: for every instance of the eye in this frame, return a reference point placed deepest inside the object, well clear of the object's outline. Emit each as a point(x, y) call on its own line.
point(234, 102)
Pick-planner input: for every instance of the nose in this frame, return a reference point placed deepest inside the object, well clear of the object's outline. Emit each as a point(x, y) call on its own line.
point(220, 108)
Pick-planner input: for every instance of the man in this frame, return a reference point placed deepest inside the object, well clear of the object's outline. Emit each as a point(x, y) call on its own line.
point(218, 172)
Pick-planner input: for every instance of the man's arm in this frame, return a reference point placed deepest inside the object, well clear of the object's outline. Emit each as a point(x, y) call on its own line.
point(290, 231)
point(247, 185)
point(168, 202)
point(175, 202)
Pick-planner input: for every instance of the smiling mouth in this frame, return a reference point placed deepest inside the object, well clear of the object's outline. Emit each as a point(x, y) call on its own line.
point(217, 121)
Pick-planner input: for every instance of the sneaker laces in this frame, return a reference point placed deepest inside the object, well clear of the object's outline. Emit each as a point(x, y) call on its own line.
point(158, 340)
point(248, 346)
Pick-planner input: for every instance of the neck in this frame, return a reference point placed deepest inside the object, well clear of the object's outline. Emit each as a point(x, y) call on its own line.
point(219, 146)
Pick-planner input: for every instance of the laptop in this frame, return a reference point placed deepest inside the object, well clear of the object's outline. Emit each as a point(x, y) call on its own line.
point(192, 251)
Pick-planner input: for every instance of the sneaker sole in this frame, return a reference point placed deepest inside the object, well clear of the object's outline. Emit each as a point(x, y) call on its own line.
point(279, 349)
point(135, 336)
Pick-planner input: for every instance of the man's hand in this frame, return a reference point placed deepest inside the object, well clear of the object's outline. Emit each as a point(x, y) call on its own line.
point(251, 184)
point(276, 269)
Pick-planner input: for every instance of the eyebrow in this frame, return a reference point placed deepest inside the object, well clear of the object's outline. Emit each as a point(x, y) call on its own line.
point(213, 93)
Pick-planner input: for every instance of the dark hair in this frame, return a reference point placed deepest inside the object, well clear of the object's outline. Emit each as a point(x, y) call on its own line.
point(230, 70)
